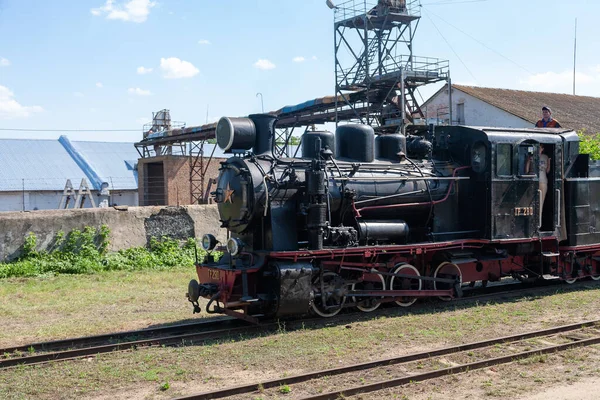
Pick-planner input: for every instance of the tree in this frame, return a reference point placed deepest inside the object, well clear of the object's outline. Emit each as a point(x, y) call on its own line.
point(589, 144)
point(294, 141)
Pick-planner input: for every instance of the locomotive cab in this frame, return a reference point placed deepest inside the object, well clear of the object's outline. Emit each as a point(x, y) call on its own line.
point(520, 200)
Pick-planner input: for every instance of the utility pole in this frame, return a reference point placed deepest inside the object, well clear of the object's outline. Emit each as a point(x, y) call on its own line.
point(574, 56)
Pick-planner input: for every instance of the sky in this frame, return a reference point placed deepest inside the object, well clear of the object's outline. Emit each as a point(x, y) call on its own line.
point(96, 65)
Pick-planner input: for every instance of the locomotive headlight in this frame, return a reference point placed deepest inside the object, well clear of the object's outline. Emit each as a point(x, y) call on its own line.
point(234, 246)
point(209, 242)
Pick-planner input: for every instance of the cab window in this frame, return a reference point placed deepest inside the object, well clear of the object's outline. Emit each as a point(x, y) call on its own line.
point(478, 157)
point(527, 152)
point(504, 159)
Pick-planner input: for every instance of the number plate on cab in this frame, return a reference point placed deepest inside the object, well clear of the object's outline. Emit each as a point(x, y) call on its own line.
point(214, 274)
point(523, 211)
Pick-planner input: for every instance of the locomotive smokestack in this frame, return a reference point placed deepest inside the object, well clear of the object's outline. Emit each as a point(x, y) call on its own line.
point(265, 132)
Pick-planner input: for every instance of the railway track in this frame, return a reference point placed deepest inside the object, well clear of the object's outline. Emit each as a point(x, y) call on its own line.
point(569, 336)
point(43, 352)
point(197, 332)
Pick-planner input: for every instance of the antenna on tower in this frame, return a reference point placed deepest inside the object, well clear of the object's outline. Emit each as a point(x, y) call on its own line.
point(574, 56)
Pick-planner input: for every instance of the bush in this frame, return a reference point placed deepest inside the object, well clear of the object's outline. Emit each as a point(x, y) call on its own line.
point(589, 144)
point(85, 252)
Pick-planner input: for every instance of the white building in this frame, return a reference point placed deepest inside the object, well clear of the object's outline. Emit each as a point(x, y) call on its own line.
point(33, 173)
point(478, 106)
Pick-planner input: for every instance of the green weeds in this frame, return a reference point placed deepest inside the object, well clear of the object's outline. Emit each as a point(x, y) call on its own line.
point(86, 251)
point(285, 389)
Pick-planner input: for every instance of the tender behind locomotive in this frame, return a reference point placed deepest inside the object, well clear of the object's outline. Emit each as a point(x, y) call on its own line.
point(358, 220)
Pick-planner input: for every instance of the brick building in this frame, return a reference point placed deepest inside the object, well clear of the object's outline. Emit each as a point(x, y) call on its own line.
point(167, 180)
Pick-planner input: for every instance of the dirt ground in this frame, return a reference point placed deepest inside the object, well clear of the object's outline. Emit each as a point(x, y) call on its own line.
point(586, 389)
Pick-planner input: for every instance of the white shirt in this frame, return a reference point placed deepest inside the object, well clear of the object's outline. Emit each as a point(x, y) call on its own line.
point(543, 165)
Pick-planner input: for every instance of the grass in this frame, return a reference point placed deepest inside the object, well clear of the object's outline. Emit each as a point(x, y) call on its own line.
point(64, 306)
point(39, 309)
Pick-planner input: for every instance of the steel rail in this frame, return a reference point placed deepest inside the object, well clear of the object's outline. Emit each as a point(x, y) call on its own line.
point(242, 389)
point(167, 341)
point(113, 336)
point(452, 370)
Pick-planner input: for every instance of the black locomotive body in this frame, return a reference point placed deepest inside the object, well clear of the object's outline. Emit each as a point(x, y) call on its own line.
point(357, 221)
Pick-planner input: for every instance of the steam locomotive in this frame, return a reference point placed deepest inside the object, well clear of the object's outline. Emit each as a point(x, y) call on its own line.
point(359, 220)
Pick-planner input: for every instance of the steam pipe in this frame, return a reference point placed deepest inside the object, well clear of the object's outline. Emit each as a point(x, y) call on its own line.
point(358, 210)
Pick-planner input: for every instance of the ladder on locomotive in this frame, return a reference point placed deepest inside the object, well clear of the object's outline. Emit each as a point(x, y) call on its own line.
point(549, 256)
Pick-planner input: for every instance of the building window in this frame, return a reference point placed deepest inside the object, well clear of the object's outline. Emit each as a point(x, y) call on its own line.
point(460, 111)
point(504, 160)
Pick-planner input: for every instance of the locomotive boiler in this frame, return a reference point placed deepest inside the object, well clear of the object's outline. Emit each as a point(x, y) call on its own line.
point(357, 220)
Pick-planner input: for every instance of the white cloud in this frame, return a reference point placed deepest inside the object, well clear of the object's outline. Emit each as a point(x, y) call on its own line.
point(559, 82)
point(174, 68)
point(78, 94)
point(139, 92)
point(99, 84)
point(203, 41)
point(4, 62)
point(314, 57)
point(144, 70)
point(10, 108)
point(298, 59)
point(264, 64)
point(133, 10)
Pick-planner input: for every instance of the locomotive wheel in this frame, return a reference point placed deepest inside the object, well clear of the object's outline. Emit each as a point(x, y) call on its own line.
point(368, 286)
point(334, 287)
point(397, 283)
point(568, 276)
point(446, 270)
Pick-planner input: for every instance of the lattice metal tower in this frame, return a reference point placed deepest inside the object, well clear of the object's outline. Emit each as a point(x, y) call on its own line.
point(376, 73)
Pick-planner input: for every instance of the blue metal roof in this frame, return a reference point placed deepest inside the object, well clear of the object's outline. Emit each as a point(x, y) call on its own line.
point(47, 164)
point(115, 163)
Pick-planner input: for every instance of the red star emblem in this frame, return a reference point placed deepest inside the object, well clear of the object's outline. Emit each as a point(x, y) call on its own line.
point(228, 194)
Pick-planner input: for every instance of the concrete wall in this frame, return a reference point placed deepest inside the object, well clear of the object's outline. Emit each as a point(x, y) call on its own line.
point(49, 200)
point(130, 227)
point(477, 112)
